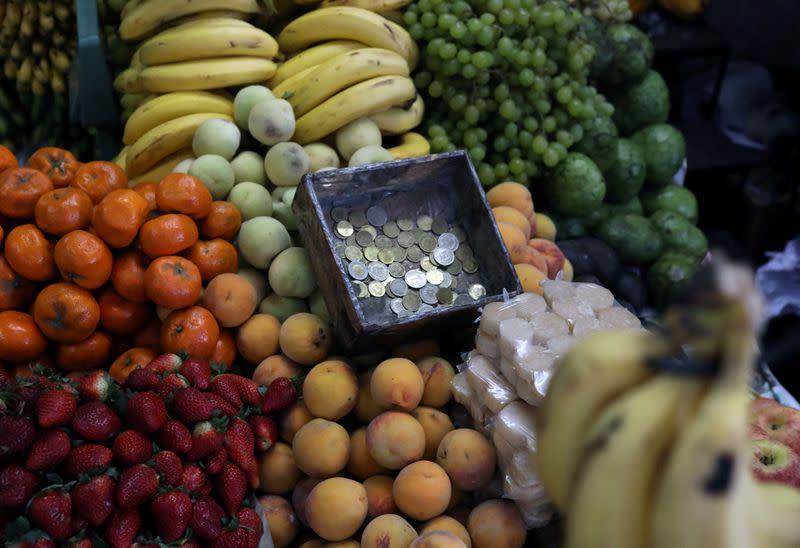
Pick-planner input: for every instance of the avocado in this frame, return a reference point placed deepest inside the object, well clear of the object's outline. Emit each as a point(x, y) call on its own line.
point(625, 177)
point(664, 151)
point(632, 53)
point(633, 237)
point(644, 103)
point(599, 141)
point(591, 256)
point(631, 287)
point(670, 197)
point(606, 211)
point(575, 186)
point(671, 272)
point(678, 234)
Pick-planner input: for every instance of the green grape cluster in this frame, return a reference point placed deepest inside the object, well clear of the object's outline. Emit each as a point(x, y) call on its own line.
point(607, 11)
point(507, 80)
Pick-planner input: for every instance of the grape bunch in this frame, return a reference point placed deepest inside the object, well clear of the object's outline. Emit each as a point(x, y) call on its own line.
point(508, 82)
point(607, 11)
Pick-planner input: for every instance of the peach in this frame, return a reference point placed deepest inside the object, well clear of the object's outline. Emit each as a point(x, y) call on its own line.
point(330, 389)
point(275, 366)
point(300, 494)
point(397, 383)
point(230, 298)
point(361, 464)
point(511, 194)
point(293, 419)
point(277, 470)
point(395, 439)
point(437, 374)
point(545, 227)
point(468, 458)
point(512, 216)
point(437, 539)
point(349, 543)
point(552, 254)
point(528, 255)
point(569, 273)
point(315, 543)
point(448, 525)
point(336, 508)
point(417, 350)
point(321, 448)
point(435, 424)
point(496, 524)
point(366, 409)
point(422, 490)
point(514, 239)
point(257, 338)
point(532, 219)
point(388, 531)
point(305, 338)
point(380, 499)
point(530, 277)
point(281, 519)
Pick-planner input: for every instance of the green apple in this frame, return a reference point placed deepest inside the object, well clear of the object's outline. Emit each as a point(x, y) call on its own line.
point(183, 166)
point(257, 278)
point(217, 136)
point(215, 172)
point(249, 166)
point(261, 239)
point(321, 156)
point(251, 199)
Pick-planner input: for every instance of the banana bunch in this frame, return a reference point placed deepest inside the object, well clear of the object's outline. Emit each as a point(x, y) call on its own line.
point(640, 447)
point(143, 18)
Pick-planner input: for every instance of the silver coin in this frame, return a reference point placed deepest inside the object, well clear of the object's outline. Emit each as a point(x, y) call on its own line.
point(364, 238)
point(404, 313)
point(459, 233)
point(361, 289)
point(455, 268)
point(415, 278)
point(427, 294)
point(378, 271)
point(371, 230)
point(448, 241)
point(339, 214)
point(470, 266)
point(344, 229)
point(376, 289)
point(376, 216)
point(435, 276)
point(382, 241)
point(371, 253)
point(354, 253)
point(357, 270)
point(386, 256)
point(351, 241)
point(443, 256)
point(463, 298)
point(463, 253)
point(476, 291)
point(391, 229)
point(444, 295)
point(358, 218)
point(433, 261)
point(447, 279)
point(396, 305)
point(439, 226)
point(405, 223)
point(397, 270)
point(418, 235)
point(415, 254)
point(426, 264)
point(411, 301)
point(427, 243)
point(423, 308)
point(341, 248)
point(398, 287)
point(405, 239)
point(400, 254)
point(424, 222)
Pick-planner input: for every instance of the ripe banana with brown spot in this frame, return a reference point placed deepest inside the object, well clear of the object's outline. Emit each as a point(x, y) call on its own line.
point(411, 145)
point(377, 6)
point(205, 74)
point(292, 83)
point(148, 15)
point(400, 119)
point(311, 57)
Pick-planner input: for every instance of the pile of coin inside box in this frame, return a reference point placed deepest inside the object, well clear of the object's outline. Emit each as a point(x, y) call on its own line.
point(417, 263)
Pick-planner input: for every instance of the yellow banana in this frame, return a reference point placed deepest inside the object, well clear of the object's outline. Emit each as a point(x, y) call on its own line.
point(371, 5)
point(411, 145)
point(148, 15)
point(60, 60)
point(25, 72)
point(211, 15)
point(356, 101)
point(202, 42)
point(400, 119)
point(312, 57)
point(10, 69)
point(57, 83)
point(122, 157)
point(206, 74)
point(128, 81)
point(292, 83)
point(395, 16)
point(344, 22)
point(170, 106)
point(165, 139)
point(132, 101)
point(163, 168)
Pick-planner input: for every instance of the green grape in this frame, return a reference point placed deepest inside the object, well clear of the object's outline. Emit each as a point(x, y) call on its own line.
point(508, 109)
point(428, 20)
point(472, 114)
point(483, 77)
point(501, 170)
point(439, 142)
point(435, 89)
point(422, 79)
point(501, 92)
point(446, 21)
point(451, 67)
point(550, 157)
point(505, 46)
point(486, 174)
point(464, 56)
point(538, 58)
point(501, 144)
point(477, 153)
point(469, 72)
point(539, 145)
point(560, 149)
point(448, 50)
point(525, 139)
point(485, 36)
point(416, 31)
point(424, 5)
point(506, 16)
point(526, 77)
point(458, 102)
point(458, 30)
point(511, 130)
point(564, 95)
point(516, 166)
point(523, 19)
point(488, 19)
point(494, 6)
point(482, 59)
point(564, 138)
point(437, 131)
point(474, 25)
point(410, 17)
point(471, 138)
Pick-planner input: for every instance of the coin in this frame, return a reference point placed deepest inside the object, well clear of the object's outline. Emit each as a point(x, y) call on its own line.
point(376, 289)
point(351, 240)
point(386, 256)
point(382, 241)
point(427, 294)
point(364, 238)
point(344, 229)
point(371, 230)
point(361, 289)
point(455, 268)
point(357, 270)
point(463, 298)
point(399, 253)
point(398, 287)
point(418, 235)
point(371, 253)
point(426, 264)
point(424, 222)
point(376, 216)
point(378, 271)
point(415, 278)
point(397, 270)
point(339, 214)
point(391, 229)
point(447, 279)
point(463, 253)
point(358, 218)
point(443, 256)
point(459, 233)
point(353, 253)
point(405, 223)
point(448, 241)
point(434, 276)
point(396, 305)
point(415, 254)
point(411, 301)
point(423, 308)
point(444, 295)
point(340, 248)
point(476, 291)
point(470, 266)
point(427, 243)
point(405, 239)
point(439, 226)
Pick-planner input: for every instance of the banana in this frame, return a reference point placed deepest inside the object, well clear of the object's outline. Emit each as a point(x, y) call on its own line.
point(312, 57)
point(132, 101)
point(57, 83)
point(597, 369)
point(395, 16)
point(207, 19)
point(356, 101)
point(148, 15)
point(25, 72)
point(128, 81)
point(774, 508)
point(10, 70)
point(202, 42)
point(203, 74)
point(292, 83)
point(165, 139)
point(399, 120)
point(170, 106)
point(371, 5)
point(163, 168)
point(342, 71)
point(344, 22)
point(60, 60)
point(210, 15)
point(122, 157)
point(411, 145)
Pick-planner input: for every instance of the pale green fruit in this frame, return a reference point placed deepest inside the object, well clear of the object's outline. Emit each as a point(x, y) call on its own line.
point(246, 99)
point(257, 278)
point(370, 154)
point(321, 156)
point(183, 166)
point(249, 166)
point(217, 136)
point(271, 122)
point(251, 199)
point(283, 212)
point(286, 163)
point(318, 307)
point(357, 134)
point(281, 307)
point(215, 172)
point(291, 275)
point(288, 196)
point(261, 239)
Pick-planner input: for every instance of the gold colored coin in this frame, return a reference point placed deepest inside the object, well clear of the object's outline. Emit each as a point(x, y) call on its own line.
point(376, 289)
point(371, 253)
point(344, 229)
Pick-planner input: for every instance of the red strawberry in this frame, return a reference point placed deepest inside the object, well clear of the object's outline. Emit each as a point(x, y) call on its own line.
point(135, 486)
point(166, 363)
point(49, 449)
point(169, 467)
point(171, 512)
point(123, 527)
point(191, 543)
point(281, 393)
point(247, 388)
point(218, 403)
point(197, 372)
point(51, 511)
point(171, 383)
point(143, 380)
point(233, 538)
point(95, 421)
point(206, 438)
point(175, 436)
point(207, 519)
point(146, 412)
point(36, 538)
point(86, 458)
point(132, 447)
point(253, 474)
point(265, 431)
point(79, 523)
point(231, 487)
point(195, 480)
point(249, 519)
point(225, 386)
point(216, 460)
point(191, 406)
point(55, 407)
point(239, 442)
point(80, 543)
point(17, 486)
point(16, 435)
point(96, 386)
point(94, 499)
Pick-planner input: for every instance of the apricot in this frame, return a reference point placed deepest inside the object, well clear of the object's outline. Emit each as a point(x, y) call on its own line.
point(545, 227)
point(257, 337)
point(435, 424)
point(569, 273)
point(417, 350)
point(388, 531)
point(293, 420)
point(366, 409)
point(514, 239)
point(437, 374)
point(398, 384)
point(468, 458)
point(230, 298)
point(321, 448)
point(395, 439)
point(300, 495)
point(380, 499)
point(437, 539)
point(422, 490)
point(361, 464)
point(350, 543)
point(512, 216)
point(511, 194)
point(330, 389)
point(305, 338)
point(530, 277)
point(277, 470)
point(448, 525)
point(273, 367)
point(552, 254)
point(336, 508)
point(528, 255)
point(281, 519)
point(496, 524)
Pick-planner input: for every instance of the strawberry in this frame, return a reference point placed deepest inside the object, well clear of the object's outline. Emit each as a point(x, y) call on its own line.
point(166, 363)
point(247, 388)
point(191, 406)
point(207, 519)
point(51, 510)
point(95, 421)
point(122, 528)
point(17, 486)
point(253, 474)
point(206, 438)
point(249, 519)
point(282, 393)
point(79, 523)
point(218, 403)
point(239, 442)
point(86, 458)
point(55, 407)
point(36, 538)
point(96, 386)
point(233, 538)
point(49, 449)
point(231, 487)
point(265, 431)
point(132, 447)
point(169, 467)
point(16, 435)
point(191, 543)
point(215, 461)
point(195, 480)
point(197, 372)
point(225, 386)
point(146, 412)
point(94, 499)
point(171, 512)
point(171, 383)
point(175, 436)
point(143, 380)
point(80, 543)
point(135, 486)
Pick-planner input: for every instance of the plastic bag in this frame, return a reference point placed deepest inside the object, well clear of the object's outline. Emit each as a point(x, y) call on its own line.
point(488, 385)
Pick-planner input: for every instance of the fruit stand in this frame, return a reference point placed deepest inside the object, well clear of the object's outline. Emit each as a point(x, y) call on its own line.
point(377, 273)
